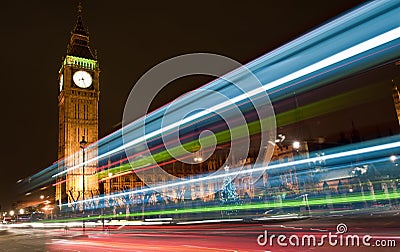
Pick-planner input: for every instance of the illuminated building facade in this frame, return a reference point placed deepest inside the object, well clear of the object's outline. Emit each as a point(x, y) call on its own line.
point(78, 116)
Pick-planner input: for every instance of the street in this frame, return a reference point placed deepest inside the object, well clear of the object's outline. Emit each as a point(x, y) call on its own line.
point(207, 237)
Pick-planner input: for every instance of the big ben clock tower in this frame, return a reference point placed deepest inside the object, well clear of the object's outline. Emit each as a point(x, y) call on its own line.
point(78, 99)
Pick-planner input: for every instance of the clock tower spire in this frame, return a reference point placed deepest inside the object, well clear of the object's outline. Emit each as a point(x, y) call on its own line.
point(78, 117)
point(79, 41)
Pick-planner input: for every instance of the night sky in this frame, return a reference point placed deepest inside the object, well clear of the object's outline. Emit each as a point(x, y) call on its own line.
point(130, 37)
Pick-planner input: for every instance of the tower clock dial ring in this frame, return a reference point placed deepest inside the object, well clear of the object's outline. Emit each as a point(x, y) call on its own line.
point(82, 79)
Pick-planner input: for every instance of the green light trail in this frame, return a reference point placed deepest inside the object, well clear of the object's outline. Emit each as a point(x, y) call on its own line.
point(318, 201)
point(328, 105)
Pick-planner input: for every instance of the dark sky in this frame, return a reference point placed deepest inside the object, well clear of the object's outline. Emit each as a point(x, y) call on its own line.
point(131, 37)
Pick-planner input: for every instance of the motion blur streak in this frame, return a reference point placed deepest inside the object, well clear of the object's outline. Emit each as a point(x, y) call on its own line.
point(369, 150)
point(319, 50)
point(356, 41)
point(308, 111)
point(173, 211)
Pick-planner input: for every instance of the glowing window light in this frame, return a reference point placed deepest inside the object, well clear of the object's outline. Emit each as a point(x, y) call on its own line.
point(296, 145)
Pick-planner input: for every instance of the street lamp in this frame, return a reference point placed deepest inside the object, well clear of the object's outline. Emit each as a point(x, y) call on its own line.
point(82, 144)
point(296, 145)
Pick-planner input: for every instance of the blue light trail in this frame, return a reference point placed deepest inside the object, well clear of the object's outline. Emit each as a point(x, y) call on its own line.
point(371, 151)
point(342, 46)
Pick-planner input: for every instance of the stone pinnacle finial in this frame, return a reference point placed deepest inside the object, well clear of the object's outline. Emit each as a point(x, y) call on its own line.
point(80, 7)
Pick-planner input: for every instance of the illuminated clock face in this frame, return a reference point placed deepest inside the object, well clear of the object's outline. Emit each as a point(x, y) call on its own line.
point(82, 79)
point(61, 82)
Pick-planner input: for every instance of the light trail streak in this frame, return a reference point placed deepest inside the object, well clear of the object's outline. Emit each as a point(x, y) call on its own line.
point(349, 29)
point(329, 61)
point(317, 201)
point(343, 55)
point(344, 154)
point(308, 111)
point(59, 182)
point(160, 146)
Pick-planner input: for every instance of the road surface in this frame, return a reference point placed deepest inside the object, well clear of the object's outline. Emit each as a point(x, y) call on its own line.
point(214, 237)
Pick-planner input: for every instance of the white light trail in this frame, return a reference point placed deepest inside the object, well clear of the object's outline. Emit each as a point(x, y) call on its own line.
point(259, 169)
point(343, 55)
